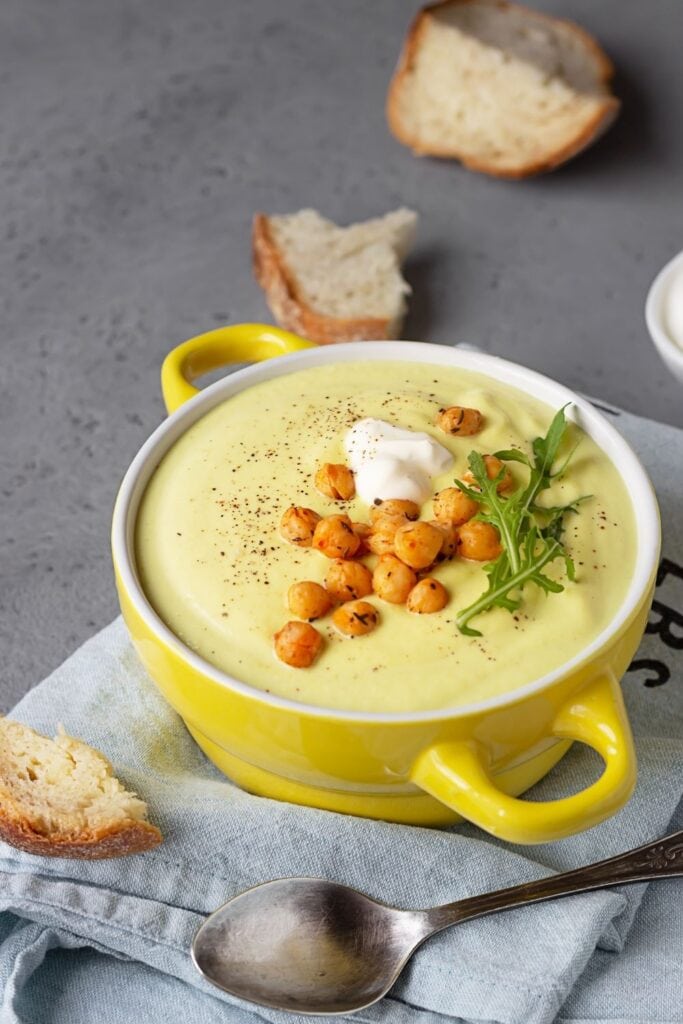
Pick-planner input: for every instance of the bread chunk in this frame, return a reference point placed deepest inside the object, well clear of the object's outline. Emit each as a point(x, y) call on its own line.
point(60, 798)
point(331, 283)
point(502, 88)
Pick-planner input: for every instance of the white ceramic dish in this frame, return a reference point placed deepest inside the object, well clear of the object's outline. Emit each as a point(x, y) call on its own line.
point(669, 350)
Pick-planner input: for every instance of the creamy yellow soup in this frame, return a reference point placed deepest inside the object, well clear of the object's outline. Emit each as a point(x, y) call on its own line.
point(217, 571)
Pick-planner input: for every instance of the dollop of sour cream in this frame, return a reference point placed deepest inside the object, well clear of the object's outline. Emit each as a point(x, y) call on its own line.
point(390, 462)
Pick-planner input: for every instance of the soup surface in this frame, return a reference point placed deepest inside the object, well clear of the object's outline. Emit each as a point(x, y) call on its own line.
point(215, 568)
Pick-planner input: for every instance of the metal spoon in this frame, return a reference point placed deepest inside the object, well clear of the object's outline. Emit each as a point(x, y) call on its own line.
point(311, 946)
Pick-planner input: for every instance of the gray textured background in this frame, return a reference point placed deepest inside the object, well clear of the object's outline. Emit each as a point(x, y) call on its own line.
point(137, 138)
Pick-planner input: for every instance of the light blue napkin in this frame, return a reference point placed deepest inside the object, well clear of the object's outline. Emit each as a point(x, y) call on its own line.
point(108, 941)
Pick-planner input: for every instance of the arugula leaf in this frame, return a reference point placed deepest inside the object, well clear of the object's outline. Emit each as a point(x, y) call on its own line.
point(502, 582)
point(513, 455)
point(545, 451)
point(531, 534)
point(500, 512)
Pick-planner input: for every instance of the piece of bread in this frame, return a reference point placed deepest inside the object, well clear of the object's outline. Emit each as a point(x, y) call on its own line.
point(334, 284)
point(504, 89)
point(60, 798)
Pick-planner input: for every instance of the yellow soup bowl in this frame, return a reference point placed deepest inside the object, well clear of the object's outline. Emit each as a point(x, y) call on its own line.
point(423, 768)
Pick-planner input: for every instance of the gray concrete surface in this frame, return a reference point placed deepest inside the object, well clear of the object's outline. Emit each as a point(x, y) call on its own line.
point(137, 138)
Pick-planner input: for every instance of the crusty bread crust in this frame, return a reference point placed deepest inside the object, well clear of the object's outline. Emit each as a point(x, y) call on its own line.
point(63, 833)
point(596, 127)
point(114, 841)
point(289, 307)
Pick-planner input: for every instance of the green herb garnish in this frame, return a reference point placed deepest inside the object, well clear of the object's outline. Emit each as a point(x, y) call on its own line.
point(531, 534)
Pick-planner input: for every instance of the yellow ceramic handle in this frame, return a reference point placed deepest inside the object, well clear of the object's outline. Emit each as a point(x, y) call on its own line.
point(241, 343)
point(455, 774)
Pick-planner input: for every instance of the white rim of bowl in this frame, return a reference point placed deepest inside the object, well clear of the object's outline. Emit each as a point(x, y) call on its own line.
point(654, 312)
point(627, 463)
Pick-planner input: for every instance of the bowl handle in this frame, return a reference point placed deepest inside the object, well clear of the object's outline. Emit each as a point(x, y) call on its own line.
point(456, 775)
point(240, 343)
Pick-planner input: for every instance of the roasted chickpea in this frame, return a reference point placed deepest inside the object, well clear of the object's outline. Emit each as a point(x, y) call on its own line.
point(478, 541)
point(381, 539)
point(427, 596)
point(362, 531)
point(450, 540)
point(418, 544)
point(297, 525)
point(308, 600)
point(298, 644)
point(347, 580)
point(493, 468)
point(356, 618)
point(402, 508)
point(459, 421)
point(453, 507)
point(335, 480)
point(392, 580)
point(334, 537)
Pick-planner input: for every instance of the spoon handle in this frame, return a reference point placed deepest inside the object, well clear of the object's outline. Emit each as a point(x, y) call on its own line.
point(661, 859)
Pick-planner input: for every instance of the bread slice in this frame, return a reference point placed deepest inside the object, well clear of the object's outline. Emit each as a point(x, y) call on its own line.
point(504, 89)
point(60, 798)
point(334, 284)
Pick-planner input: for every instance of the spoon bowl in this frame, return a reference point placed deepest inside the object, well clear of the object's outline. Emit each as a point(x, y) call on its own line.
point(307, 945)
